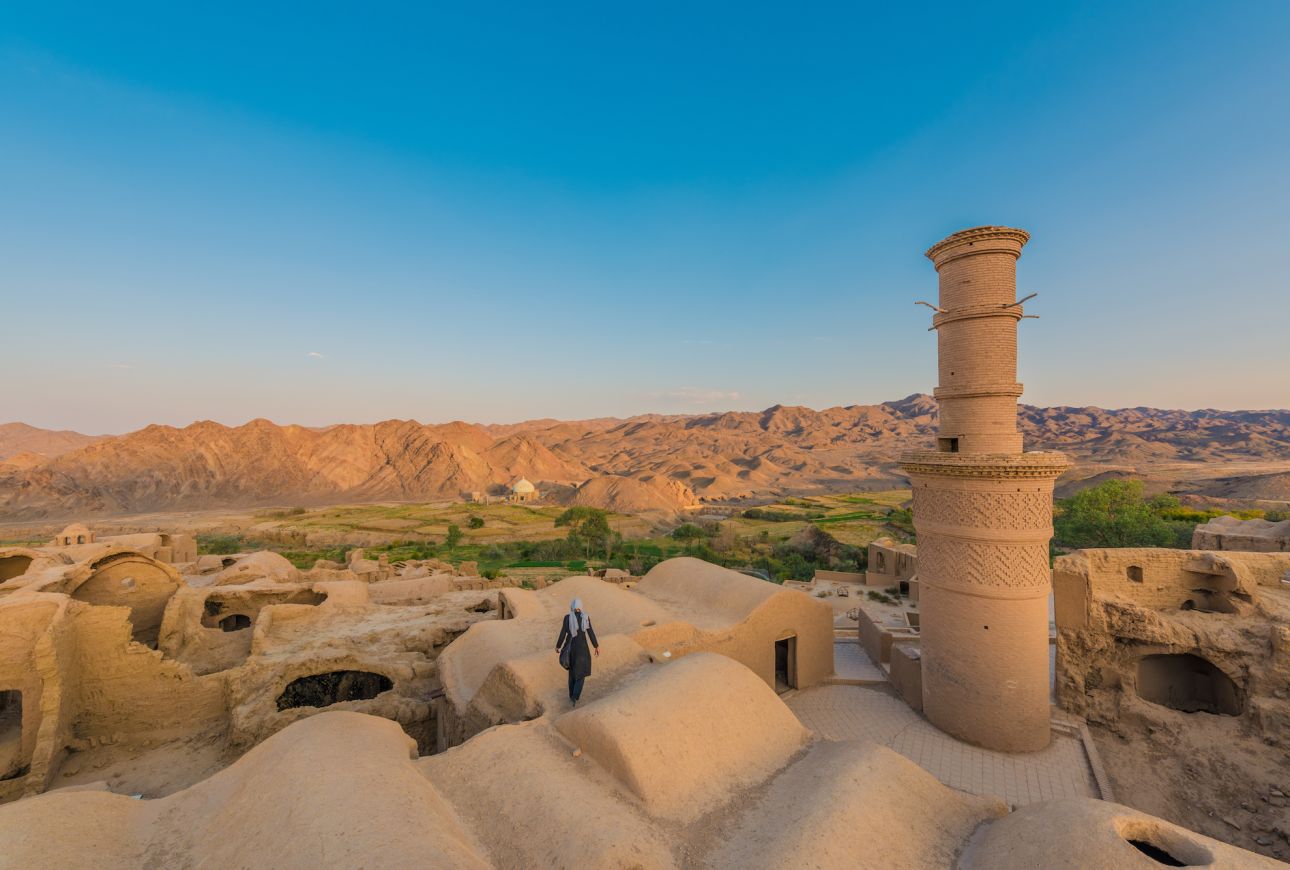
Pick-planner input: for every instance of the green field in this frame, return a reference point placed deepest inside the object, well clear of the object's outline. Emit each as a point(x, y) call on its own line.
point(789, 538)
point(856, 520)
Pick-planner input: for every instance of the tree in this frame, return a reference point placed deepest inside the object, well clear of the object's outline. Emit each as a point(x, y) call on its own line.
point(1113, 514)
point(454, 536)
point(589, 530)
point(476, 522)
point(577, 514)
point(688, 532)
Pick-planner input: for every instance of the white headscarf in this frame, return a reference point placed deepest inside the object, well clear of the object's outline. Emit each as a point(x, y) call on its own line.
point(575, 623)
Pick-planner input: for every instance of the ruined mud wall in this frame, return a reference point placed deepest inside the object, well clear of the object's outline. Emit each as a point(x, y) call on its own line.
point(30, 676)
point(125, 690)
point(132, 580)
point(1119, 611)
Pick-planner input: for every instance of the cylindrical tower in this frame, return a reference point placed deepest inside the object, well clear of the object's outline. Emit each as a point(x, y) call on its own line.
point(977, 339)
point(983, 511)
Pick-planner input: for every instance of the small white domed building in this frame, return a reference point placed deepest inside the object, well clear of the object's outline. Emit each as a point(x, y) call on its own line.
point(523, 490)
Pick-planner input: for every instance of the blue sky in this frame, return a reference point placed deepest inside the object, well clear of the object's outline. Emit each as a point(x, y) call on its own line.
point(324, 213)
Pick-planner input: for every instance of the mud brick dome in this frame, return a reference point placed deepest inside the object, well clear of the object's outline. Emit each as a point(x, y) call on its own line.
point(983, 511)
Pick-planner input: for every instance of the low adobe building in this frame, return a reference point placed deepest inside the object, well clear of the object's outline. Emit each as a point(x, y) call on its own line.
point(173, 548)
point(505, 671)
point(890, 563)
point(1182, 658)
point(693, 763)
point(1144, 630)
point(103, 574)
point(521, 491)
point(1230, 533)
point(74, 535)
point(106, 659)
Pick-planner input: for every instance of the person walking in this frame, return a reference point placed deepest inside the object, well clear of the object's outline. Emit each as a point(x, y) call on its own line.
point(575, 631)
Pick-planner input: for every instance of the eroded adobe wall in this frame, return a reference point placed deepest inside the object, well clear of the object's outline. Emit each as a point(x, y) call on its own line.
point(132, 580)
point(261, 705)
point(211, 629)
point(25, 626)
point(1163, 579)
point(1108, 623)
point(123, 690)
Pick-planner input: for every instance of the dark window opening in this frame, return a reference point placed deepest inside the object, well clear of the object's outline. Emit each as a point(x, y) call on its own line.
point(80, 539)
point(235, 622)
point(1134, 572)
point(786, 664)
point(948, 445)
point(1187, 683)
point(323, 690)
point(219, 608)
point(13, 566)
point(1209, 601)
point(11, 762)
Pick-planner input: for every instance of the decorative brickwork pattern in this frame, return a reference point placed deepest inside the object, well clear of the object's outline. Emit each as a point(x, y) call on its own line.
point(1014, 511)
point(983, 511)
point(967, 563)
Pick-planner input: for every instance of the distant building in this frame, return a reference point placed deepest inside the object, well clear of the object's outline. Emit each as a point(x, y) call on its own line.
point(170, 548)
point(890, 563)
point(522, 490)
point(74, 534)
point(1230, 533)
point(519, 492)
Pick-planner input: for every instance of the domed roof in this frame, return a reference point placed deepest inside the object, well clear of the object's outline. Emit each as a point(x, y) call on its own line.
point(523, 487)
point(74, 529)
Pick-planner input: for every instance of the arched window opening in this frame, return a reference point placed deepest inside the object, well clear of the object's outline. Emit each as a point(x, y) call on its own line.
point(1188, 683)
point(335, 687)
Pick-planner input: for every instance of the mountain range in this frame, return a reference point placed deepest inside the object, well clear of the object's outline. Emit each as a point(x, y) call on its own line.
point(648, 463)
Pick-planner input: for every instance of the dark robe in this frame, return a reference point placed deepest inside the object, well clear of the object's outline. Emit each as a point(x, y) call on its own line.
point(579, 653)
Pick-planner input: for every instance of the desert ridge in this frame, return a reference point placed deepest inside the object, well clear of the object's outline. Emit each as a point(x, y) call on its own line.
point(651, 463)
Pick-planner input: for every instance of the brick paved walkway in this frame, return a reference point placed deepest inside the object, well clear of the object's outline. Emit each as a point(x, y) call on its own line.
point(852, 666)
point(850, 712)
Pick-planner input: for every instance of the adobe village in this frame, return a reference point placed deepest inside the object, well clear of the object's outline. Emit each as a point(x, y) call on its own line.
point(1122, 707)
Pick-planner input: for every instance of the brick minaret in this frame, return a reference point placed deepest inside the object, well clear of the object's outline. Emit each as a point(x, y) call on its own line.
point(983, 511)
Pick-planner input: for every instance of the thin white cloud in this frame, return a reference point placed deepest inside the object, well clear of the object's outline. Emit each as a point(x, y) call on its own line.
point(315, 354)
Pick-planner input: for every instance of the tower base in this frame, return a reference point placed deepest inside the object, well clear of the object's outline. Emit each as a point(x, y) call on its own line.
point(984, 522)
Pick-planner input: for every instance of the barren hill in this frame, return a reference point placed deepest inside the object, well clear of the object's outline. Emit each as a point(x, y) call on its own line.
point(19, 438)
point(653, 461)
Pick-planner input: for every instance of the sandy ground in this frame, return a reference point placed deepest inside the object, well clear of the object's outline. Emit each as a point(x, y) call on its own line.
point(153, 772)
point(1196, 777)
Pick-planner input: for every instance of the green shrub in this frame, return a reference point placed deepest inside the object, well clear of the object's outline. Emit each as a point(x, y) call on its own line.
point(222, 545)
point(1115, 514)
